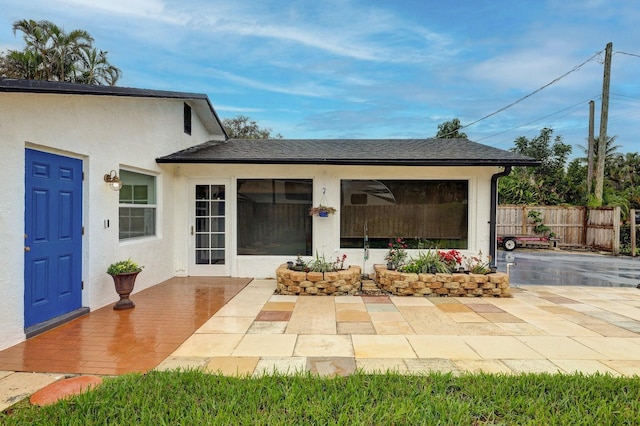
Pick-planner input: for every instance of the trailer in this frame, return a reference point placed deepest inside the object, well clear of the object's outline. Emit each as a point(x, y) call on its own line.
point(510, 242)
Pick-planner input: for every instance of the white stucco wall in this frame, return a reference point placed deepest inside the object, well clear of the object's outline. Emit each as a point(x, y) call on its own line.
point(106, 133)
point(326, 231)
point(112, 133)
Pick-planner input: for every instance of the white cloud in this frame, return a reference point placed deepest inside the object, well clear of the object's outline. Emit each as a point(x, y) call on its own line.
point(309, 89)
point(146, 9)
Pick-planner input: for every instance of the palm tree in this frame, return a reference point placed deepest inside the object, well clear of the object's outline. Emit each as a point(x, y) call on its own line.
point(97, 70)
point(52, 54)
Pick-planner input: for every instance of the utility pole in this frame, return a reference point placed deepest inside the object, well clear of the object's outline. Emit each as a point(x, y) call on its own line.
point(604, 116)
point(590, 148)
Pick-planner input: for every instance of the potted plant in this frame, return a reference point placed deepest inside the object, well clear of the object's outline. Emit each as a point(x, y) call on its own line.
point(321, 210)
point(124, 273)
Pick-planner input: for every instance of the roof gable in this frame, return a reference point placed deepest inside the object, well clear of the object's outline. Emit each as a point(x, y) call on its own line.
point(199, 102)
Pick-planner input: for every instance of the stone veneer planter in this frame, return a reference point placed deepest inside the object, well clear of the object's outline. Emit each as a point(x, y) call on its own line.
point(458, 285)
point(337, 283)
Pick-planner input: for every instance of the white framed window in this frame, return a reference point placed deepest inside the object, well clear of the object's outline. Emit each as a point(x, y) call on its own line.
point(137, 215)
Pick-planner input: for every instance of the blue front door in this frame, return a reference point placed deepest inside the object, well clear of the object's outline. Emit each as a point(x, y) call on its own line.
point(52, 236)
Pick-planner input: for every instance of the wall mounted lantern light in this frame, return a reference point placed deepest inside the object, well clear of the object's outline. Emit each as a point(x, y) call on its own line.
point(113, 180)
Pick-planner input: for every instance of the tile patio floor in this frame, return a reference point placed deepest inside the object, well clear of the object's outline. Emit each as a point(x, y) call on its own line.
point(226, 325)
point(540, 329)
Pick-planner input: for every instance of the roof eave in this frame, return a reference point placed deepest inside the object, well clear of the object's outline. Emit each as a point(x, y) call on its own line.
point(352, 162)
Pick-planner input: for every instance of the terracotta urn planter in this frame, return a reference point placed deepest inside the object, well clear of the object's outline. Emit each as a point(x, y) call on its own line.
point(124, 273)
point(124, 286)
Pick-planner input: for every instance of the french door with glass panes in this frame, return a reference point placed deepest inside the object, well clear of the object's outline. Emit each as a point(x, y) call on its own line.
point(209, 240)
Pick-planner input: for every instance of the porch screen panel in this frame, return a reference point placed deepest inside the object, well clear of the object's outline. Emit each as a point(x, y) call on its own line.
point(425, 213)
point(273, 216)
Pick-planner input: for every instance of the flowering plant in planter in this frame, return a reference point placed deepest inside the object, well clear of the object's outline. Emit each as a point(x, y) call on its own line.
point(321, 210)
point(477, 265)
point(451, 258)
point(338, 265)
point(397, 254)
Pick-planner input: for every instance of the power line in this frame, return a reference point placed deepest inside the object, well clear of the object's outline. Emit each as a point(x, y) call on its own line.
point(574, 69)
point(630, 54)
point(572, 108)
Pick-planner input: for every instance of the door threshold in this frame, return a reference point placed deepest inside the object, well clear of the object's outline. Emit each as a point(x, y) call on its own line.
point(39, 328)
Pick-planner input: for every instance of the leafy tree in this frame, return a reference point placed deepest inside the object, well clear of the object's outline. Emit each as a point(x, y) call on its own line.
point(52, 54)
point(545, 184)
point(451, 130)
point(243, 127)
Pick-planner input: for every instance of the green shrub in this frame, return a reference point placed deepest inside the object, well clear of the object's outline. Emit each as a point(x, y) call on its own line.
point(124, 267)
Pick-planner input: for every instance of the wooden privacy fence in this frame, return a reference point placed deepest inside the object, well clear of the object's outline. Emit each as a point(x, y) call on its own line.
point(574, 226)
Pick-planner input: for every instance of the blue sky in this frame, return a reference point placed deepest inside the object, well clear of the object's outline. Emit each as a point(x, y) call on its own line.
point(373, 69)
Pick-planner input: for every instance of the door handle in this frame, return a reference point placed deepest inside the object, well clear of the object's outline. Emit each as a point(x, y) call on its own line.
point(27, 248)
point(191, 230)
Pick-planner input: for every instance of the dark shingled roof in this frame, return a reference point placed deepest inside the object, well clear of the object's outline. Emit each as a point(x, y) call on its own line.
point(391, 152)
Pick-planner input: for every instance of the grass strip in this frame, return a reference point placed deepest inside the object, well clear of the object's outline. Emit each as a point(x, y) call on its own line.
point(193, 397)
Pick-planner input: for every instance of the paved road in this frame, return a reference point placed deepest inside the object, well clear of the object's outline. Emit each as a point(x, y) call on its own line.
point(551, 267)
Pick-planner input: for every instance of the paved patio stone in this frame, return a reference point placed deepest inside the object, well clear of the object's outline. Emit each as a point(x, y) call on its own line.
point(614, 348)
point(453, 307)
point(232, 325)
point(386, 316)
point(484, 307)
point(351, 307)
point(324, 346)
point(352, 316)
point(411, 301)
point(500, 347)
point(268, 327)
point(265, 345)
point(208, 345)
point(559, 347)
point(466, 317)
point(331, 366)
point(496, 317)
point(376, 299)
point(519, 366)
point(424, 366)
point(182, 363)
point(381, 307)
point(274, 316)
point(278, 306)
point(482, 366)
point(232, 366)
point(585, 366)
point(449, 347)
point(393, 327)
point(482, 329)
point(628, 368)
point(381, 365)
point(562, 328)
point(280, 365)
point(355, 328)
point(373, 346)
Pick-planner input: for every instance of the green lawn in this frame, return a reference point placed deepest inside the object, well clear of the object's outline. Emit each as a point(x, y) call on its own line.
point(196, 398)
